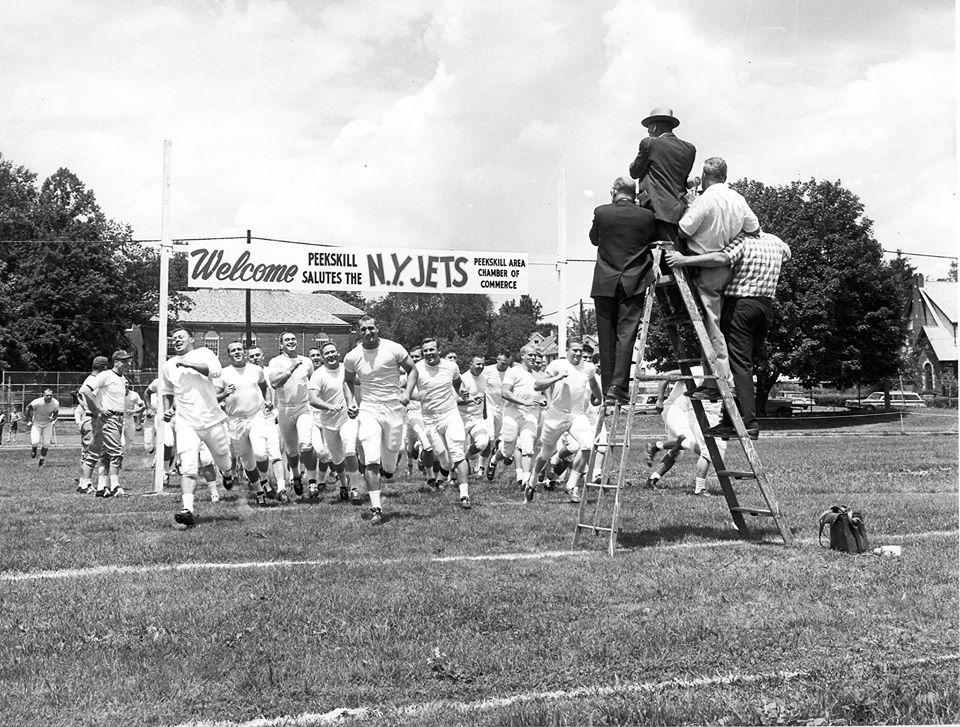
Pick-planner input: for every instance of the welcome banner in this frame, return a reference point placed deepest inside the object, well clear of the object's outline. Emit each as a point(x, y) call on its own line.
point(290, 266)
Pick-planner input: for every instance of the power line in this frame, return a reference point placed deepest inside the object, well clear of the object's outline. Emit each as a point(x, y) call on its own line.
point(919, 254)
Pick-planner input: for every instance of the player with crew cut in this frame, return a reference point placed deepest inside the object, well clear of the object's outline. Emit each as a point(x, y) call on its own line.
point(520, 413)
point(473, 411)
point(240, 389)
point(190, 401)
point(289, 375)
point(332, 398)
point(570, 381)
point(374, 367)
point(438, 383)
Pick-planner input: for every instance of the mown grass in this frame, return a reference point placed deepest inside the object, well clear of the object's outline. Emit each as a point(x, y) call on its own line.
point(382, 623)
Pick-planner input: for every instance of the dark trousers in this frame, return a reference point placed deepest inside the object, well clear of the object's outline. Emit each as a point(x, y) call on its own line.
point(743, 323)
point(618, 318)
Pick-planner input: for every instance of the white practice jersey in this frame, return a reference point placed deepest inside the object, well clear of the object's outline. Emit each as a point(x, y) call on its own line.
point(435, 384)
point(293, 394)
point(571, 394)
point(193, 393)
point(247, 400)
point(43, 411)
point(522, 381)
point(476, 387)
point(328, 383)
point(111, 387)
point(377, 371)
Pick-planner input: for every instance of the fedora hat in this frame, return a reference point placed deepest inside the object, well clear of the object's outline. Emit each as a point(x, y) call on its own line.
point(662, 114)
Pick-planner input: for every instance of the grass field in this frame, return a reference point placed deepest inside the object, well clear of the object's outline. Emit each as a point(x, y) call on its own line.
point(112, 616)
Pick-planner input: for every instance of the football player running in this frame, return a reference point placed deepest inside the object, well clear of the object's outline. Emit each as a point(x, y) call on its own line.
point(570, 382)
point(330, 396)
point(240, 389)
point(374, 366)
point(438, 381)
point(289, 375)
point(190, 400)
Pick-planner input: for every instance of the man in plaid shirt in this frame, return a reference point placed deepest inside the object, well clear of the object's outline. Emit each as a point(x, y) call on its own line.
point(755, 260)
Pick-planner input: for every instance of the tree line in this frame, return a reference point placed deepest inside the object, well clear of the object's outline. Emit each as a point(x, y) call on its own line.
point(73, 280)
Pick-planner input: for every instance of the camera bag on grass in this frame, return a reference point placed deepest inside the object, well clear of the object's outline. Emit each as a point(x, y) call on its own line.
point(848, 533)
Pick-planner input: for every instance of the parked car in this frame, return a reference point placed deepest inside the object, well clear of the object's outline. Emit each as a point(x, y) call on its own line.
point(898, 400)
point(800, 401)
point(779, 406)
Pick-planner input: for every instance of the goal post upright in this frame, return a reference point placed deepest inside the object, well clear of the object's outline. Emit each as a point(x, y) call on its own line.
point(166, 245)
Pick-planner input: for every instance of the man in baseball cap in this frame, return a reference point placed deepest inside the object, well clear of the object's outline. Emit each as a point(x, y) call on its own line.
point(662, 166)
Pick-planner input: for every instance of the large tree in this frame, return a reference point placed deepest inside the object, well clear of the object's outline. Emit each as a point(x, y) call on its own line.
point(74, 277)
point(459, 322)
point(513, 324)
point(838, 313)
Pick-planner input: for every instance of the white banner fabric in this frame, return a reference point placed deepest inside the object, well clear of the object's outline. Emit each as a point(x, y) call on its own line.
point(290, 266)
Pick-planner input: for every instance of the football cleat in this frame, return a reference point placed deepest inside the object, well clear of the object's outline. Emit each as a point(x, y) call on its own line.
point(185, 517)
point(313, 491)
point(355, 497)
point(528, 493)
point(465, 503)
point(491, 470)
point(101, 492)
point(573, 494)
point(228, 482)
point(261, 498)
point(298, 485)
point(83, 489)
point(344, 493)
point(108, 492)
point(550, 485)
point(376, 518)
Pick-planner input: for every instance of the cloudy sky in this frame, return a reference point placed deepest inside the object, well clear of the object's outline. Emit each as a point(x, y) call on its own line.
point(425, 123)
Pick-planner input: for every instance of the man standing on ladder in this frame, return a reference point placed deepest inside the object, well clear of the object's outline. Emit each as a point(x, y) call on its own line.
point(662, 166)
point(624, 235)
point(755, 260)
point(714, 218)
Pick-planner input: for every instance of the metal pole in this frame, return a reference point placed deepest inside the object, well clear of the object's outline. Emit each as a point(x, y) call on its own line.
point(583, 323)
point(248, 331)
point(166, 246)
point(562, 258)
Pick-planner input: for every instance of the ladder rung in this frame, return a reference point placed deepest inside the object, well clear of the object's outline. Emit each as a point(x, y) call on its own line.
point(599, 486)
point(587, 526)
point(672, 377)
point(665, 280)
point(697, 360)
point(754, 511)
point(737, 475)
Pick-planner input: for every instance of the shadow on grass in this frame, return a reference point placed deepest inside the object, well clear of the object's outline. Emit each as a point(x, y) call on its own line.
point(674, 534)
point(830, 420)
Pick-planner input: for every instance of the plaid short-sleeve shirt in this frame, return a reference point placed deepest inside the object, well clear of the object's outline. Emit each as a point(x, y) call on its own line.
point(755, 262)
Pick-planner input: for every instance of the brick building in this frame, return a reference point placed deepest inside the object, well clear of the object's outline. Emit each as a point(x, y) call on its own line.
point(218, 317)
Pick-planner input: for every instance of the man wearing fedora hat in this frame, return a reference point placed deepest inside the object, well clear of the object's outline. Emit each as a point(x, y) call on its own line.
point(105, 396)
point(662, 166)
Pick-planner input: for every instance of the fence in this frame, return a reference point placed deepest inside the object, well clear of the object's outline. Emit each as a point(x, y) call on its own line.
point(19, 388)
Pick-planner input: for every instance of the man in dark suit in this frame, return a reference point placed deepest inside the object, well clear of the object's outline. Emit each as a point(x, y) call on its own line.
point(624, 235)
point(662, 166)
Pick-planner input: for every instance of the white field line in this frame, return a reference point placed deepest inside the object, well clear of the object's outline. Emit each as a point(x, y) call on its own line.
point(309, 719)
point(104, 570)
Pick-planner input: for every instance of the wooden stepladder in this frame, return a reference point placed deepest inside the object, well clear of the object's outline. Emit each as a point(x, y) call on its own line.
point(599, 510)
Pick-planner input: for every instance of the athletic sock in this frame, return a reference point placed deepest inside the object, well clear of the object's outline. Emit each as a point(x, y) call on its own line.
point(700, 484)
point(374, 498)
point(573, 479)
point(464, 489)
point(114, 482)
point(188, 501)
point(102, 482)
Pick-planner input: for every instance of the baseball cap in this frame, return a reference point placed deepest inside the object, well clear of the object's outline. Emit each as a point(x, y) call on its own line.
point(100, 362)
point(121, 355)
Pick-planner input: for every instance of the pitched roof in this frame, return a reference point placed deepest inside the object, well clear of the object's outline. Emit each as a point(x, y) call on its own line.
point(942, 343)
point(943, 294)
point(268, 307)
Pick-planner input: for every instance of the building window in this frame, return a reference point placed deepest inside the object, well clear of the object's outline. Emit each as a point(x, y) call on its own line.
point(928, 376)
point(320, 338)
point(170, 351)
point(212, 341)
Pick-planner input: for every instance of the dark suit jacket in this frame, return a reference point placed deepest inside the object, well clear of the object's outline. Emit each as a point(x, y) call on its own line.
point(662, 165)
point(624, 235)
